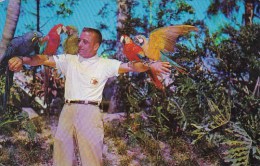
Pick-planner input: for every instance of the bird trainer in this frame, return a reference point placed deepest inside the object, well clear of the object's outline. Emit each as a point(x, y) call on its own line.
point(86, 75)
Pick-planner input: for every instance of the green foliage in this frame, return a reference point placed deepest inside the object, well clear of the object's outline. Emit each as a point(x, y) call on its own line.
point(184, 7)
point(121, 103)
point(211, 101)
point(172, 11)
point(12, 116)
point(226, 7)
point(14, 103)
point(240, 53)
point(29, 126)
point(214, 119)
point(237, 145)
point(65, 8)
point(154, 110)
point(250, 123)
point(23, 145)
point(55, 90)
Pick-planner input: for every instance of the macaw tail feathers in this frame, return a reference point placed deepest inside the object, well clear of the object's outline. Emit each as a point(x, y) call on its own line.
point(46, 84)
point(174, 64)
point(153, 76)
point(8, 84)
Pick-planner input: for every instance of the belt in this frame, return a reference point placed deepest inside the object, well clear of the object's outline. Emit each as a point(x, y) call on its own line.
point(82, 102)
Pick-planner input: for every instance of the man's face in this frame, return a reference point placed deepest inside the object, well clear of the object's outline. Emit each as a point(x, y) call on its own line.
point(87, 45)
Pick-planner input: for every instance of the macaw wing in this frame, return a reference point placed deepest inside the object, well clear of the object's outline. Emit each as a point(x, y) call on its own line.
point(23, 47)
point(14, 46)
point(12, 50)
point(164, 39)
point(52, 45)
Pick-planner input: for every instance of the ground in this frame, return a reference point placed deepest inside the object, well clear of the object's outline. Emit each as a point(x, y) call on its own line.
point(18, 148)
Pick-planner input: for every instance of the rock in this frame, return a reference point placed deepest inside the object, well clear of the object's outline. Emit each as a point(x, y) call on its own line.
point(116, 116)
point(32, 114)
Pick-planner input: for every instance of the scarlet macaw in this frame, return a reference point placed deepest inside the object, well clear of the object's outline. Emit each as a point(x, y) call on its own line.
point(51, 42)
point(49, 46)
point(135, 53)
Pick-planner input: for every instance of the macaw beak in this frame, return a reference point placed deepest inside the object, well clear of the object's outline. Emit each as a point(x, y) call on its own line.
point(138, 41)
point(68, 30)
point(122, 39)
point(63, 29)
point(35, 38)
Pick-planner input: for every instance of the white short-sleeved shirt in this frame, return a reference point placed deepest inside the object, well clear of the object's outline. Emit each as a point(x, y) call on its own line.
point(86, 77)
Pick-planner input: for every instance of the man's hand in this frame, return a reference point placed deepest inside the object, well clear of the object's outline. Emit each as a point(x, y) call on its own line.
point(161, 67)
point(15, 64)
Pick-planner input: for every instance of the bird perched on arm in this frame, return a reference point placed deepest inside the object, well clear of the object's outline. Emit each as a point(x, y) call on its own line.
point(51, 42)
point(135, 53)
point(70, 45)
point(163, 40)
point(132, 51)
point(49, 46)
point(20, 46)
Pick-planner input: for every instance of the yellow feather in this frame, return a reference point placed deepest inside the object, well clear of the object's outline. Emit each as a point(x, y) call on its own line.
point(70, 45)
point(164, 39)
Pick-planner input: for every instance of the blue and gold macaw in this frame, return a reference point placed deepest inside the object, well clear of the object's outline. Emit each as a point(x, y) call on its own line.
point(161, 41)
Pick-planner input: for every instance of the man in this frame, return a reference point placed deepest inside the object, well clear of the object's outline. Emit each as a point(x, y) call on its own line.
point(86, 75)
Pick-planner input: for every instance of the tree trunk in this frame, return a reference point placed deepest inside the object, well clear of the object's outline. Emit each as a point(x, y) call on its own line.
point(38, 14)
point(12, 16)
point(123, 14)
point(249, 12)
point(38, 29)
point(123, 11)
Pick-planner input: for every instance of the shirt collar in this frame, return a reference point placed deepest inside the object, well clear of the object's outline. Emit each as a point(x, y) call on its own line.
point(91, 59)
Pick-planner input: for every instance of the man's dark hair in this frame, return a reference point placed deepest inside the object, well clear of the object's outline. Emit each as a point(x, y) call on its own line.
point(96, 31)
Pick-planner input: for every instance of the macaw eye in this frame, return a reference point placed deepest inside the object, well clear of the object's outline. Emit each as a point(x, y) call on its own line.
point(34, 37)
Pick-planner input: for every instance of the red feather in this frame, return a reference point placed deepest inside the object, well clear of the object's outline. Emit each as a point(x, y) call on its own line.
point(53, 41)
point(131, 51)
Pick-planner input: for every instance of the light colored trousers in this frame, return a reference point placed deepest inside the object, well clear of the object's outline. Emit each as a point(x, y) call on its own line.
point(84, 123)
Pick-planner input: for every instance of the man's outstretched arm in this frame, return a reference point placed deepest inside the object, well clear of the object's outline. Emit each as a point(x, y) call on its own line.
point(159, 67)
point(15, 63)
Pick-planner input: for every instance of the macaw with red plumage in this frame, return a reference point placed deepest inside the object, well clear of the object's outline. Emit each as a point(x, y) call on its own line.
point(135, 53)
point(49, 46)
point(50, 43)
point(132, 51)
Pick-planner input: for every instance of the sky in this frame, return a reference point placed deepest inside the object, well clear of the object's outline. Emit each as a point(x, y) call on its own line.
point(85, 14)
